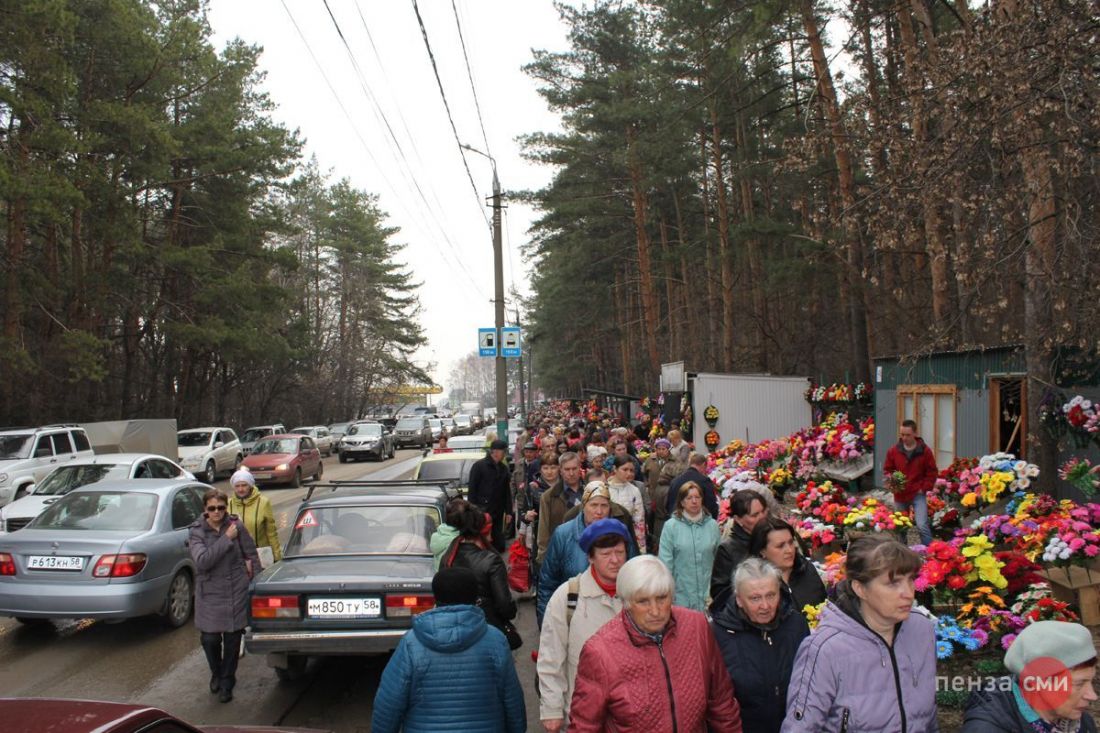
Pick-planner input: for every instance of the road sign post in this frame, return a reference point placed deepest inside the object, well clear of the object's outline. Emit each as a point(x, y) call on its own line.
point(509, 342)
point(487, 342)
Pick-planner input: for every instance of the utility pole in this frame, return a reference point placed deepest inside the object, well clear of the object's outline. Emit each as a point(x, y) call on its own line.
point(498, 274)
point(522, 401)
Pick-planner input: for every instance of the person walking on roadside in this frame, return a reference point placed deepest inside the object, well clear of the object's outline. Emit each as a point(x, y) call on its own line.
point(529, 501)
point(625, 493)
point(679, 449)
point(1034, 697)
point(490, 490)
point(654, 667)
point(759, 629)
point(452, 642)
point(470, 550)
point(747, 509)
point(564, 557)
point(562, 496)
point(696, 471)
point(445, 535)
point(578, 608)
point(224, 556)
point(254, 509)
point(688, 546)
point(776, 541)
point(871, 662)
point(917, 462)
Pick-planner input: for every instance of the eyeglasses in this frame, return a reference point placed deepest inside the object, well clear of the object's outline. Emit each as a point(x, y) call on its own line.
point(216, 508)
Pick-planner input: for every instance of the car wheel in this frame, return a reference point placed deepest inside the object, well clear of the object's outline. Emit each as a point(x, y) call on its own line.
point(320, 471)
point(294, 670)
point(180, 601)
point(211, 473)
point(237, 462)
point(343, 458)
point(297, 480)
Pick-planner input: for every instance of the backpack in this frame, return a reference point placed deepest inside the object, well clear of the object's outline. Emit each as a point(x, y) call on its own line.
point(572, 594)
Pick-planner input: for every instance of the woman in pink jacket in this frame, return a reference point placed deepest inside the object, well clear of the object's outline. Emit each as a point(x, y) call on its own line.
point(652, 667)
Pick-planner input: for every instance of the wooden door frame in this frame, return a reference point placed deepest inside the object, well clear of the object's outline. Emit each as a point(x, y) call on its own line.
point(995, 382)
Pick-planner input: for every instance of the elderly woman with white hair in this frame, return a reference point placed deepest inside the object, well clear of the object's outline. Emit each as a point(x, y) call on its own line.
point(759, 630)
point(653, 666)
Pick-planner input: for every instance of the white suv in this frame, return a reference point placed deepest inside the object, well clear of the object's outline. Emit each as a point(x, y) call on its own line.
point(255, 434)
point(206, 452)
point(28, 454)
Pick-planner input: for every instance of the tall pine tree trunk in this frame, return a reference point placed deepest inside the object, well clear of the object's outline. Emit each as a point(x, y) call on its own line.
point(650, 311)
point(857, 306)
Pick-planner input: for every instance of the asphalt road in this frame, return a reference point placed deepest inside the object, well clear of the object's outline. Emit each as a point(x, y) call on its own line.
point(140, 662)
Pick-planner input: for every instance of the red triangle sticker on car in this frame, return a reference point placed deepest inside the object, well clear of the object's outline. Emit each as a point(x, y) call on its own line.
point(306, 520)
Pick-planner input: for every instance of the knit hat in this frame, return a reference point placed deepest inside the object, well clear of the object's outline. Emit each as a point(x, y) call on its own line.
point(595, 488)
point(455, 586)
point(242, 476)
point(530, 445)
point(601, 528)
point(662, 442)
point(498, 445)
point(1069, 643)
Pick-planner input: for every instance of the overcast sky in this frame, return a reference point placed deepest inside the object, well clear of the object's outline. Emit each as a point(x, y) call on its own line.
point(447, 237)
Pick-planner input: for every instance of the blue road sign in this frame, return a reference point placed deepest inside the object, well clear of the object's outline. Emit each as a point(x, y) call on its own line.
point(509, 342)
point(487, 342)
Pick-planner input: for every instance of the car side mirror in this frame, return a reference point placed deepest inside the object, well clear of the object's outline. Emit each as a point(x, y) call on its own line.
point(426, 452)
point(42, 453)
point(218, 444)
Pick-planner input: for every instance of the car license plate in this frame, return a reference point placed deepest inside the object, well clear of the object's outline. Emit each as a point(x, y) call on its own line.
point(344, 607)
point(55, 562)
point(261, 474)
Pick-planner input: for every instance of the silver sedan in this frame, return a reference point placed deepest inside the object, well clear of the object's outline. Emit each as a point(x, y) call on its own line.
point(111, 550)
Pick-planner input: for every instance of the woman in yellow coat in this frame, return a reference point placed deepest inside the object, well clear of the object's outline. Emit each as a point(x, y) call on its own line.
point(254, 509)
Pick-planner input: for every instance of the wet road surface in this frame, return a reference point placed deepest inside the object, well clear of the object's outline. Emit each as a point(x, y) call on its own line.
point(142, 662)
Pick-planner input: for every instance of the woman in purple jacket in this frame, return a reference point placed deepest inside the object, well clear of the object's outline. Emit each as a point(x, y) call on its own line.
point(870, 665)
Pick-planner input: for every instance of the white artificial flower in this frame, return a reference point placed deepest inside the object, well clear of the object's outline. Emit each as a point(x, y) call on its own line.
point(1032, 470)
point(1023, 483)
point(1086, 405)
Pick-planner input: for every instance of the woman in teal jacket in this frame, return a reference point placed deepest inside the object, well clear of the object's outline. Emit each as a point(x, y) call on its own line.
point(687, 546)
point(418, 692)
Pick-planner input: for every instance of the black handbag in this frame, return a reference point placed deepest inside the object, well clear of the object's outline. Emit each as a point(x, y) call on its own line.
point(515, 641)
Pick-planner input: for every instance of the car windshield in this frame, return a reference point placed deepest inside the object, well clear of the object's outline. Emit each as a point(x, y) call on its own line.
point(436, 423)
point(16, 445)
point(462, 420)
point(338, 427)
point(110, 511)
point(372, 529)
point(448, 470)
point(410, 424)
point(190, 440)
point(302, 431)
point(280, 445)
point(253, 434)
point(65, 479)
point(371, 430)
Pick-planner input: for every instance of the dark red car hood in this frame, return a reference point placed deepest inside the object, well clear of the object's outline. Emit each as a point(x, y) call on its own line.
point(50, 715)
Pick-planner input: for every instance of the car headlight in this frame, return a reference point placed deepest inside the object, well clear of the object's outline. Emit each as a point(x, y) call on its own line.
point(282, 467)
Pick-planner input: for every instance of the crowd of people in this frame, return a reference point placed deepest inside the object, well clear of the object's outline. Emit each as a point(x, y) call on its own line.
point(650, 615)
point(653, 617)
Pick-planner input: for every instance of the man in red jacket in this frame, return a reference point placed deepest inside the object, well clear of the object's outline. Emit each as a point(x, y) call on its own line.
point(912, 457)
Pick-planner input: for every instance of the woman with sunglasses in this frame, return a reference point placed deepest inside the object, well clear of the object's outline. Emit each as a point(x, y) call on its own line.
point(224, 555)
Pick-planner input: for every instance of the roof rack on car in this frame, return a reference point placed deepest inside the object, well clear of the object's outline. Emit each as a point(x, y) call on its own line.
point(62, 425)
point(447, 485)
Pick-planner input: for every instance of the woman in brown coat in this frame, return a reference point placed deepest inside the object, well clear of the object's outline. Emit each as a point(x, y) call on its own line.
point(224, 556)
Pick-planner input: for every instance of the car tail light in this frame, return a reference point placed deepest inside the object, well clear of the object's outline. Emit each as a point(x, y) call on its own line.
point(408, 605)
point(119, 566)
point(7, 564)
point(275, 607)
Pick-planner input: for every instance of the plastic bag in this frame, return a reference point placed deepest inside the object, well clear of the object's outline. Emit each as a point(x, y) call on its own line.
point(519, 563)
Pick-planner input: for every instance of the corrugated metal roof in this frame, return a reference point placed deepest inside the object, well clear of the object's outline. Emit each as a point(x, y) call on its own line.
point(965, 369)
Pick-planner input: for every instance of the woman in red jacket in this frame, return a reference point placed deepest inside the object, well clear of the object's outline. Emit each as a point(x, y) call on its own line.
point(652, 667)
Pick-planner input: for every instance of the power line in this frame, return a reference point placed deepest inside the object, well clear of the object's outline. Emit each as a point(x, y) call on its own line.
point(470, 75)
point(379, 112)
point(446, 106)
point(366, 147)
